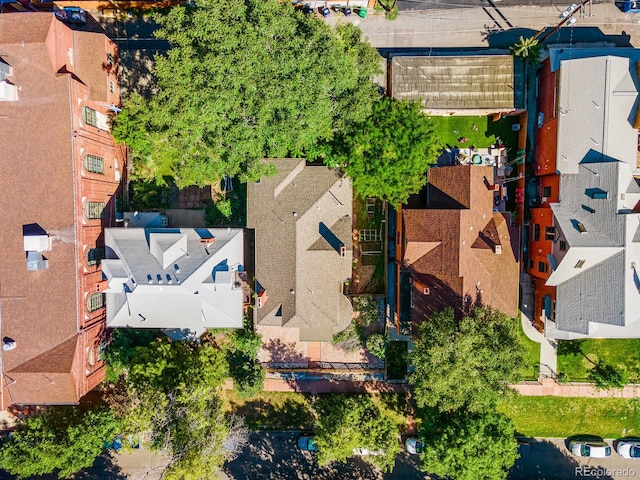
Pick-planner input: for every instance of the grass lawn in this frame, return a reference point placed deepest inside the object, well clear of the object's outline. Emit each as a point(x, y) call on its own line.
point(272, 410)
point(563, 416)
point(531, 360)
point(450, 129)
point(290, 410)
point(622, 354)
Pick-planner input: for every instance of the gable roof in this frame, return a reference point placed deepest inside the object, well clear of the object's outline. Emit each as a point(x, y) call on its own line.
point(187, 279)
point(302, 218)
point(459, 262)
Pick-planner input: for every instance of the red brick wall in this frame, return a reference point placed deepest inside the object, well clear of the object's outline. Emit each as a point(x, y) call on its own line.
point(95, 187)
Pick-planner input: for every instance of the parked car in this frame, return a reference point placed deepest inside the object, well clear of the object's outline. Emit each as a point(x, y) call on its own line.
point(590, 448)
point(629, 449)
point(414, 446)
point(307, 444)
point(366, 451)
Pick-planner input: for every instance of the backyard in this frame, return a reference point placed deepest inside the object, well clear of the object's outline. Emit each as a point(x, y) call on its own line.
point(565, 416)
point(480, 132)
point(577, 357)
point(368, 246)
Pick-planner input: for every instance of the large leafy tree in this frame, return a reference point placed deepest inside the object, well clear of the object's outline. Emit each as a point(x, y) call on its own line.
point(466, 362)
point(171, 399)
point(62, 439)
point(245, 80)
point(387, 155)
point(242, 348)
point(469, 446)
point(348, 422)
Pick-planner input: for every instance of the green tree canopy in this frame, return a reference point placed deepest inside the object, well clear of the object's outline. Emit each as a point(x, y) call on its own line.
point(469, 446)
point(172, 400)
point(242, 346)
point(387, 155)
point(245, 80)
point(468, 362)
point(348, 422)
point(62, 439)
point(527, 48)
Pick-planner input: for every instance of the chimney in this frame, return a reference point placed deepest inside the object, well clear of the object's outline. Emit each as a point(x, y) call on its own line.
point(261, 299)
point(421, 287)
point(497, 249)
point(207, 241)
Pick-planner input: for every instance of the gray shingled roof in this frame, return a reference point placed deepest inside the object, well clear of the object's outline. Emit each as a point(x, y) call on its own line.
point(301, 216)
point(595, 295)
point(455, 82)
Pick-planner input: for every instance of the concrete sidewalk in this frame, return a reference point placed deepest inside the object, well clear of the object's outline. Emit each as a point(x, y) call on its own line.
point(497, 27)
point(549, 387)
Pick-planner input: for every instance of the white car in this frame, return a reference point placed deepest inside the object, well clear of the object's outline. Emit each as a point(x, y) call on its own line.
point(629, 449)
point(366, 451)
point(414, 446)
point(572, 8)
point(590, 448)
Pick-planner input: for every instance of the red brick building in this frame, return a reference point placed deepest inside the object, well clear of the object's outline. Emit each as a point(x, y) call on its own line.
point(60, 171)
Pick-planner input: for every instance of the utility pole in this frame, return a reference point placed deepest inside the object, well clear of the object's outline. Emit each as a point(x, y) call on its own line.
point(579, 7)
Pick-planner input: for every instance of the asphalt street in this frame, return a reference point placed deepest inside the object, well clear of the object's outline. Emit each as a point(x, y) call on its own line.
point(449, 4)
point(276, 456)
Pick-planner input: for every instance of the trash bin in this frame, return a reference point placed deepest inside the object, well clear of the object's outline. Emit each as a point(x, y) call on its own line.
point(362, 13)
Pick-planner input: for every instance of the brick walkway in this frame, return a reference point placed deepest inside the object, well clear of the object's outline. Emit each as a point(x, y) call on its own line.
point(550, 387)
point(328, 386)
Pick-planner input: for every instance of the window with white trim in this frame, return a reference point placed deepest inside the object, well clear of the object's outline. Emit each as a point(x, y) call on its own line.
point(89, 116)
point(94, 164)
point(95, 302)
point(94, 210)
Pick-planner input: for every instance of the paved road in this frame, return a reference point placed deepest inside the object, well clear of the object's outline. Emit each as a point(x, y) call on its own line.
point(448, 4)
point(275, 456)
point(549, 459)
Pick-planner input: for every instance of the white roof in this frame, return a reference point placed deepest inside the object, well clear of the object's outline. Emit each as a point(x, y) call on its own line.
point(597, 98)
point(169, 278)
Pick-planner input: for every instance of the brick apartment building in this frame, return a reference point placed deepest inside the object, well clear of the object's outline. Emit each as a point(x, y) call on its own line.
point(60, 172)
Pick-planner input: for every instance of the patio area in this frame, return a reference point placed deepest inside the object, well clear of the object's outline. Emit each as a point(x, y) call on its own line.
point(282, 349)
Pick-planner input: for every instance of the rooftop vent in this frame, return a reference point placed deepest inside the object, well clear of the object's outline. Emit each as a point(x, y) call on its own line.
point(8, 91)
point(35, 261)
point(497, 249)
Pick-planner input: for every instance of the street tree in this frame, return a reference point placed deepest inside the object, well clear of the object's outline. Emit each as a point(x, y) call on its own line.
point(172, 401)
point(245, 80)
point(386, 156)
point(62, 439)
point(528, 48)
point(345, 423)
point(469, 446)
point(467, 362)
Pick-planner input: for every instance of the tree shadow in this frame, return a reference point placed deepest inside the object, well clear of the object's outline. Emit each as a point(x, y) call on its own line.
point(544, 459)
point(285, 415)
point(503, 39)
point(275, 456)
point(284, 353)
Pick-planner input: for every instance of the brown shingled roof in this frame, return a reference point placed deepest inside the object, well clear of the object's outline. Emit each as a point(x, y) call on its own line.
point(39, 309)
point(464, 268)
